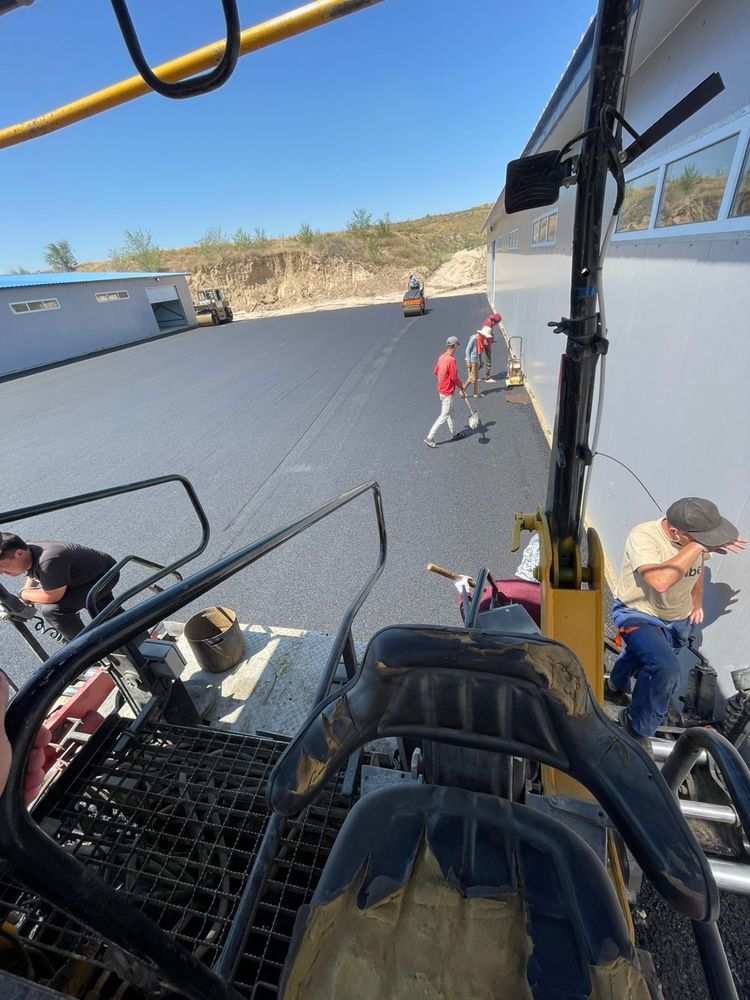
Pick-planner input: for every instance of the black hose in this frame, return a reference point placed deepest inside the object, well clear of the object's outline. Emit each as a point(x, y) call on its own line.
point(203, 84)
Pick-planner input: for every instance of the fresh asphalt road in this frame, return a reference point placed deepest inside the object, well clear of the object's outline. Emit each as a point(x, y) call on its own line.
point(269, 418)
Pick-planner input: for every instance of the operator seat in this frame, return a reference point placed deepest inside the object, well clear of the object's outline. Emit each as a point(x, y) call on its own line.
point(442, 892)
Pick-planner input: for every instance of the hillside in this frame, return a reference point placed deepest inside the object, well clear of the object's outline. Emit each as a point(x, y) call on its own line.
point(313, 269)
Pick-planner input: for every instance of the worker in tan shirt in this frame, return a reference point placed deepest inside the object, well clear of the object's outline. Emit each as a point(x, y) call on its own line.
point(658, 601)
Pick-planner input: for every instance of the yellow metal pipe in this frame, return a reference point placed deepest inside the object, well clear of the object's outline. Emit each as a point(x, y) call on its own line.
point(293, 22)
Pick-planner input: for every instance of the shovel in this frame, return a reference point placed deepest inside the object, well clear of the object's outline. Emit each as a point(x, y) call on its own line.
point(474, 418)
point(456, 577)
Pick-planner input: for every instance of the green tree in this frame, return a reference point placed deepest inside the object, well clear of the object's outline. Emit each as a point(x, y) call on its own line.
point(307, 235)
point(384, 227)
point(373, 247)
point(60, 257)
point(212, 246)
point(20, 270)
point(138, 252)
point(243, 239)
point(688, 180)
point(260, 238)
point(360, 223)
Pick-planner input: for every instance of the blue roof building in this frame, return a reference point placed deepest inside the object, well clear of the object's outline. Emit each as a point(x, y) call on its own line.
point(78, 277)
point(58, 316)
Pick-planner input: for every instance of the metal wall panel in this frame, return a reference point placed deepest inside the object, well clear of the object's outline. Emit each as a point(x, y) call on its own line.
point(677, 408)
point(81, 325)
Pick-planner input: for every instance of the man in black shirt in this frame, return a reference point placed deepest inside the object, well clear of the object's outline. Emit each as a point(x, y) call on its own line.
point(59, 576)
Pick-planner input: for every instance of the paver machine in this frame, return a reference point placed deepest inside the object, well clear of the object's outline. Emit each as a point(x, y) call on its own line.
point(484, 851)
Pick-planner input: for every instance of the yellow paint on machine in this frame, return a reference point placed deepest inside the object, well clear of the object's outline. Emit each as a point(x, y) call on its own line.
point(276, 29)
point(575, 617)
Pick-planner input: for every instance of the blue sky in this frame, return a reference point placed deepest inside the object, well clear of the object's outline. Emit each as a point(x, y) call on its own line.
point(411, 107)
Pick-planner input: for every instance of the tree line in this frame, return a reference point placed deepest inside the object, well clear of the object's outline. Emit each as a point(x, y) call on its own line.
point(140, 252)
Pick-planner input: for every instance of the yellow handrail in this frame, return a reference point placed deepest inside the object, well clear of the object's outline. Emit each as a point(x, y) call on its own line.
point(293, 22)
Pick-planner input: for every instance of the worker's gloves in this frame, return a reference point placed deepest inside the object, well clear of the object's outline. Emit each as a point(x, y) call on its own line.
point(21, 611)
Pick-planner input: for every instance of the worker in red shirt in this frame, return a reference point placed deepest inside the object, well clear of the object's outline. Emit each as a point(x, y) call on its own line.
point(488, 332)
point(447, 382)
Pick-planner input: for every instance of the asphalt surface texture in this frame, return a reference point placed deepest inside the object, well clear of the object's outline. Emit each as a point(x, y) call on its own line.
point(269, 418)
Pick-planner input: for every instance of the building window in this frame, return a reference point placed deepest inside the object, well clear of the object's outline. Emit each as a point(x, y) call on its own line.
point(544, 230)
point(694, 185)
point(111, 296)
point(635, 212)
point(35, 305)
point(741, 200)
point(513, 239)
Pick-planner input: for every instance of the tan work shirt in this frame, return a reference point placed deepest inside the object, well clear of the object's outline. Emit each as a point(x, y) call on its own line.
point(647, 544)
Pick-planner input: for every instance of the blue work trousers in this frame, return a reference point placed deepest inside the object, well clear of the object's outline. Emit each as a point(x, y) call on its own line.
point(649, 656)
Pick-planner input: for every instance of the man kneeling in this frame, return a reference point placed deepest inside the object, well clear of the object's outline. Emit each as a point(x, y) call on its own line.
point(59, 576)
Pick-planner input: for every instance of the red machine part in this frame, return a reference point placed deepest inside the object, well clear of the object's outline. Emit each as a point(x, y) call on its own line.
point(76, 719)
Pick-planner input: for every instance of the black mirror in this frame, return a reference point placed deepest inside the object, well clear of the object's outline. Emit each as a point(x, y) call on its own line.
point(534, 181)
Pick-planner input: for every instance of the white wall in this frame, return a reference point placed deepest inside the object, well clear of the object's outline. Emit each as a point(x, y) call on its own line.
point(81, 325)
point(678, 309)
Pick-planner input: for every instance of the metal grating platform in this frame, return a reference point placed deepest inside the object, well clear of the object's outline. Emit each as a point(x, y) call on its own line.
point(299, 862)
point(173, 820)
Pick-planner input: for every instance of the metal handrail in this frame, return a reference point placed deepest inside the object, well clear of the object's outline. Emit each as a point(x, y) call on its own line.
point(51, 506)
point(719, 978)
point(476, 598)
point(687, 751)
point(343, 637)
point(484, 577)
point(41, 864)
point(101, 586)
point(734, 770)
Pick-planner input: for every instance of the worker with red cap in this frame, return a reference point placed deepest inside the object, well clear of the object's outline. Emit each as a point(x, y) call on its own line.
point(487, 331)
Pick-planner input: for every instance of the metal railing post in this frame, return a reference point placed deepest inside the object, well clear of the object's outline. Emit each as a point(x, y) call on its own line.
point(716, 969)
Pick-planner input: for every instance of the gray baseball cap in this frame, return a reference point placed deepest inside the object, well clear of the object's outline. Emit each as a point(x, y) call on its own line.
point(701, 519)
point(452, 342)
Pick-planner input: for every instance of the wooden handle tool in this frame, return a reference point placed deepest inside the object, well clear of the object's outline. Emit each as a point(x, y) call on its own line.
point(449, 575)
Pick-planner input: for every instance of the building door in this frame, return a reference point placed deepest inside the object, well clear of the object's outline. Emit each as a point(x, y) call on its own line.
point(168, 310)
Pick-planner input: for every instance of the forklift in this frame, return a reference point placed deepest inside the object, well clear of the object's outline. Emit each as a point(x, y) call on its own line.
point(454, 816)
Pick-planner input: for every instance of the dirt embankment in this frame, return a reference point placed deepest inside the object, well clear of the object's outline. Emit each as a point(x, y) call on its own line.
point(293, 281)
point(315, 270)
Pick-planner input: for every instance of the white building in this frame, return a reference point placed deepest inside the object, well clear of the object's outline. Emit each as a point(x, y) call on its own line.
point(46, 318)
point(677, 281)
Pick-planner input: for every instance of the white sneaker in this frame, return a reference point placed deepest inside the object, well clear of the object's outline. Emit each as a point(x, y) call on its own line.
point(429, 443)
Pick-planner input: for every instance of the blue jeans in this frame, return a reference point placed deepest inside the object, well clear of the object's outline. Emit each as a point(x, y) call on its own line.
point(650, 655)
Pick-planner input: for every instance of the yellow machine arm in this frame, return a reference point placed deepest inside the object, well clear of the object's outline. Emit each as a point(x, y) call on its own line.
point(277, 29)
